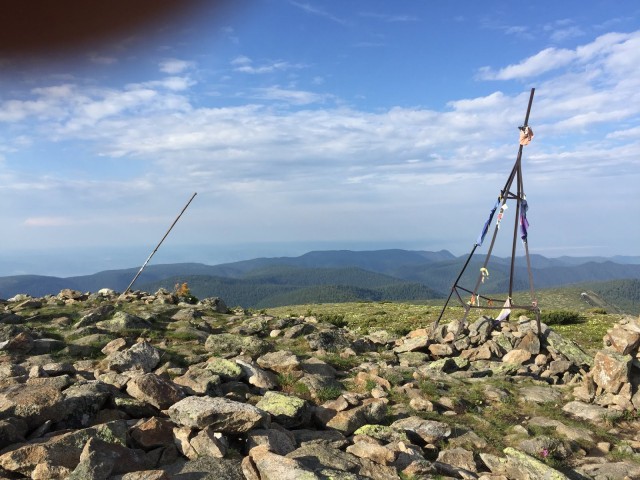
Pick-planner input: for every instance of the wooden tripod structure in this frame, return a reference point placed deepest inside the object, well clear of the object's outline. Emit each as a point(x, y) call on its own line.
point(505, 305)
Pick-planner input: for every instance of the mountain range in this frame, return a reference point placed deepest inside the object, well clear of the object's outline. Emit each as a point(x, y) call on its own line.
point(338, 275)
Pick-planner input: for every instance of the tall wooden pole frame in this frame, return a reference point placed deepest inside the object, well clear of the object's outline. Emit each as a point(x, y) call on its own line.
point(505, 195)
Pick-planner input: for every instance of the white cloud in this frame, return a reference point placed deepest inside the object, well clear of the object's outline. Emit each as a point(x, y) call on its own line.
point(174, 66)
point(291, 148)
point(294, 97)
point(544, 61)
point(244, 64)
point(313, 10)
point(391, 18)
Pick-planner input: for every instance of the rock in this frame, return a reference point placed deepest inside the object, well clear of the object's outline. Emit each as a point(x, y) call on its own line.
point(115, 345)
point(315, 456)
point(540, 394)
point(152, 433)
point(440, 350)
point(198, 380)
point(12, 430)
point(225, 369)
point(592, 413)
point(427, 431)
point(315, 366)
point(611, 370)
point(255, 375)
point(222, 415)
point(282, 361)
point(277, 441)
point(95, 315)
point(520, 466)
point(329, 340)
point(141, 356)
point(377, 453)
point(288, 411)
point(152, 389)
point(272, 466)
point(623, 470)
point(227, 345)
point(209, 443)
point(22, 343)
point(61, 450)
point(566, 347)
point(123, 321)
point(82, 402)
point(99, 459)
point(558, 367)
point(413, 344)
point(348, 421)
point(529, 342)
point(206, 468)
point(215, 303)
point(517, 356)
point(329, 437)
point(32, 404)
point(622, 340)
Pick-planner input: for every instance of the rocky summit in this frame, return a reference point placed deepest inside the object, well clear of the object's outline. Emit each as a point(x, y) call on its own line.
point(156, 386)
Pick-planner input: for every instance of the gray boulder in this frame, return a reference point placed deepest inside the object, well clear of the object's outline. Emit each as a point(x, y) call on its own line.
point(221, 414)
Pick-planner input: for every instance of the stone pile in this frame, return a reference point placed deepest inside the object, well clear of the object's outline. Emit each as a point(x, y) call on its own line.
point(150, 387)
point(615, 377)
point(489, 347)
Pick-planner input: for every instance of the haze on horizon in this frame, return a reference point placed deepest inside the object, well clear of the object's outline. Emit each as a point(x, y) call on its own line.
point(359, 126)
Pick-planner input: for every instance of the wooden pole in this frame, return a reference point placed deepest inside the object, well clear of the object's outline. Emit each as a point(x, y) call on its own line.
point(158, 246)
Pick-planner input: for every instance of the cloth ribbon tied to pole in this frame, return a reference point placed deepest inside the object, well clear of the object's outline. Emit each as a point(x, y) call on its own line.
point(485, 273)
point(526, 135)
point(503, 208)
point(485, 227)
point(524, 223)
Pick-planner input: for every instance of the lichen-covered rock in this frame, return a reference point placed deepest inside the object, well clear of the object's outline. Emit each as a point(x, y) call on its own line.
point(225, 369)
point(62, 450)
point(141, 356)
point(520, 466)
point(227, 345)
point(348, 421)
point(221, 414)
point(289, 411)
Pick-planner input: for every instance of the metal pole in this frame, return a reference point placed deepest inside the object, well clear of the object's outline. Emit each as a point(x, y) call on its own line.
point(453, 287)
point(158, 246)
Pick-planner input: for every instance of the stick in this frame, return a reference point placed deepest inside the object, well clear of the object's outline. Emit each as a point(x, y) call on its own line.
point(158, 246)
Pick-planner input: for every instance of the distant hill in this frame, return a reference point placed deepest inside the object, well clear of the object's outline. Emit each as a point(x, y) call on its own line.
point(624, 294)
point(287, 285)
point(391, 274)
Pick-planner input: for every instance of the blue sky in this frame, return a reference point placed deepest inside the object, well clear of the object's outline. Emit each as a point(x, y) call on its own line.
point(323, 124)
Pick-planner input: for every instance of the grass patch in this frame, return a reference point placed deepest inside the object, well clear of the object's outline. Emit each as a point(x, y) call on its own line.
point(339, 363)
point(328, 393)
point(561, 317)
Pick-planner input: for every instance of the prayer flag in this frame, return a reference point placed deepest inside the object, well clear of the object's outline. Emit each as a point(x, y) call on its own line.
point(524, 223)
point(485, 228)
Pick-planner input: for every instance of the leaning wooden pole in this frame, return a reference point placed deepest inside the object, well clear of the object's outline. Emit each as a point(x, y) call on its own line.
point(160, 243)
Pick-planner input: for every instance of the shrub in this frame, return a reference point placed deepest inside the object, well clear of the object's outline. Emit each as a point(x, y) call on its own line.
point(336, 319)
point(561, 317)
point(183, 292)
point(598, 311)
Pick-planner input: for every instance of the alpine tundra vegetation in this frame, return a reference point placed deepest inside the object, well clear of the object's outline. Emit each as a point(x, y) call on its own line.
point(158, 386)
